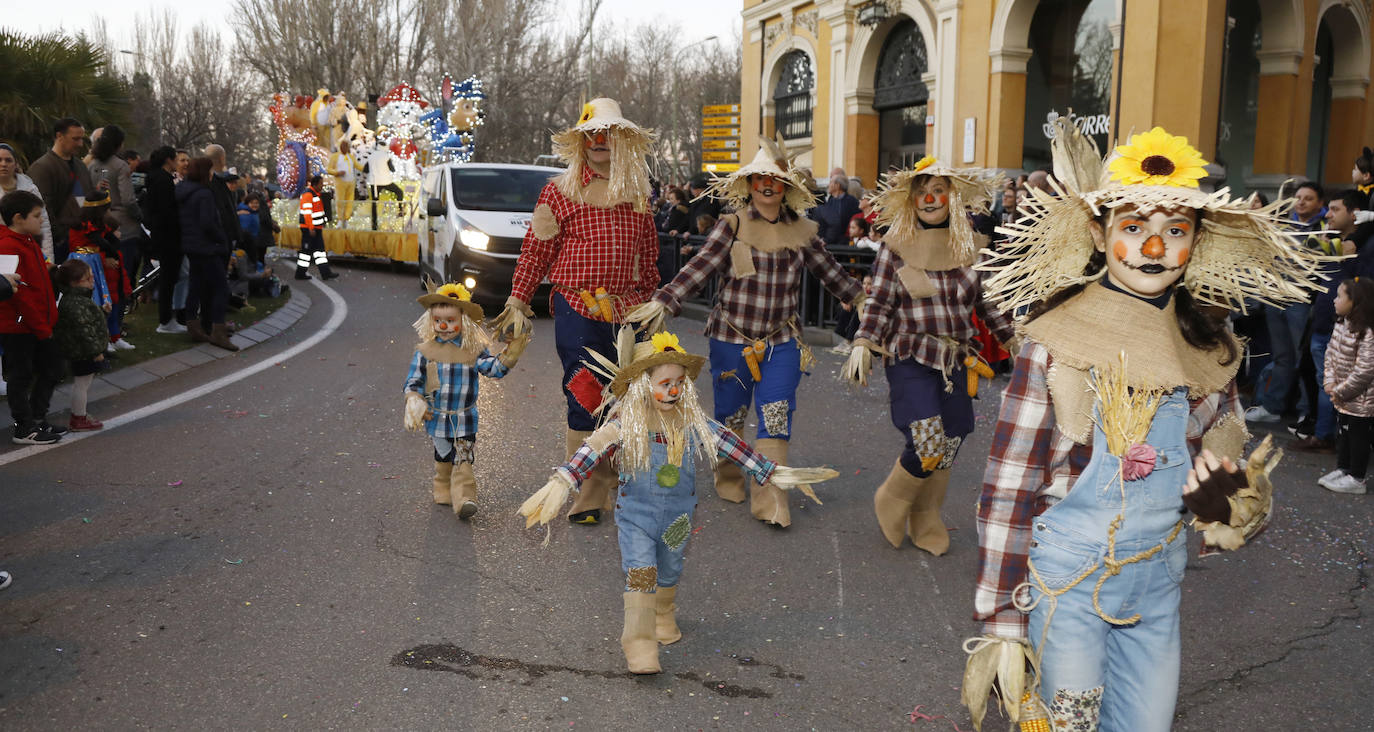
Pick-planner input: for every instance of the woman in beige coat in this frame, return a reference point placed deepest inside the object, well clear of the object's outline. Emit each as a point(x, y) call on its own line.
point(1349, 379)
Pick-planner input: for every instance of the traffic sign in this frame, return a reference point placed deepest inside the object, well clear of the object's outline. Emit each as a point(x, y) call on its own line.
point(720, 132)
point(730, 121)
point(720, 144)
point(718, 156)
point(713, 109)
point(719, 167)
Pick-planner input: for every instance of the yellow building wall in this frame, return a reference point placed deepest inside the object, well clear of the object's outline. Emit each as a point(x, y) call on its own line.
point(1344, 141)
point(1006, 117)
point(1171, 76)
point(972, 99)
point(750, 109)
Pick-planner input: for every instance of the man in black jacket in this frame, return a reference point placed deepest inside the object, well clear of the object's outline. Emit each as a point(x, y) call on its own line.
point(834, 215)
point(160, 214)
point(226, 201)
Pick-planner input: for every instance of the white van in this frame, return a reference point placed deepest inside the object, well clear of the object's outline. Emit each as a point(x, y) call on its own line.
point(478, 214)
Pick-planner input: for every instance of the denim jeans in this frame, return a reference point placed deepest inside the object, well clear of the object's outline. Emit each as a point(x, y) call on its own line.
point(1326, 413)
point(1125, 671)
point(1286, 327)
point(774, 396)
point(645, 509)
point(573, 334)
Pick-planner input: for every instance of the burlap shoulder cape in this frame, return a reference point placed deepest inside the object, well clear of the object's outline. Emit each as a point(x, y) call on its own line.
point(755, 233)
point(928, 250)
point(1092, 329)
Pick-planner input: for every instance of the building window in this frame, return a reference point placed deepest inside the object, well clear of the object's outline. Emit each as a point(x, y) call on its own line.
point(1070, 68)
point(792, 96)
point(900, 97)
point(1239, 93)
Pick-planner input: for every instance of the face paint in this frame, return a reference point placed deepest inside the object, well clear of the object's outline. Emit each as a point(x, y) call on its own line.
point(1183, 255)
point(446, 321)
point(1154, 247)
point(1150, 248)
point(931, 196)
point(668, 384)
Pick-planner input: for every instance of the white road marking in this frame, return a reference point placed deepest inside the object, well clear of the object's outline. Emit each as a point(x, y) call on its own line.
point(335, 320)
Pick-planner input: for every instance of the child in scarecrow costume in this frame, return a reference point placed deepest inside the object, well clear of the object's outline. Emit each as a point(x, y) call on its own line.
point(1122, 415)
point(757, 354)
point(441, 388)
point(654, 430)
point(593, 238)
point(920, 315)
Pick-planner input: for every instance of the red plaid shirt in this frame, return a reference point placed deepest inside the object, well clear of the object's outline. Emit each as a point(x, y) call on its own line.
point(614, 248)
point(728, 446)
point(911, 328)
point(757, 307)
point(1031, 465)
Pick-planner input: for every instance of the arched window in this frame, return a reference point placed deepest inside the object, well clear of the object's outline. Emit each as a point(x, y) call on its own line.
point(900, 96)
point(1070, 68)
point(1239, 93)
point(792, 96)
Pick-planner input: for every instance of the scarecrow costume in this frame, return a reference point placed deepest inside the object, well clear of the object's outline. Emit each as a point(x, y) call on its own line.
point(593, 238)
point(441, 388)
point(757, 354)
point(920, 316)
point(654, 430)
point(1115, 424)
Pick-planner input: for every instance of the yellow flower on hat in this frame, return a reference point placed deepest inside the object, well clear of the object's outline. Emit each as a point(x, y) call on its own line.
point(924, 163)
point(455, 290)
point(665, 342)
point(1157, 158)
point(587, 112)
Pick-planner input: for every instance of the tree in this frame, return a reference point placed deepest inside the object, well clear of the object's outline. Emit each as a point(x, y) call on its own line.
point(51, 76)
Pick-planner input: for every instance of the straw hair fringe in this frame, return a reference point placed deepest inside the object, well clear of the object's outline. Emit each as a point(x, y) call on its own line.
point(628, 181)
point(639, 419)
point(473, 333)
point(734, 191)
point(971, 190)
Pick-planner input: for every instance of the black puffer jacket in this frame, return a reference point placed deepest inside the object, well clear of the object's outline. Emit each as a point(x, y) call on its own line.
point(201, 230)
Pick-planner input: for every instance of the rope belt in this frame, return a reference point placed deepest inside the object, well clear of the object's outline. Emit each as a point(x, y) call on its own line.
point(807, 357)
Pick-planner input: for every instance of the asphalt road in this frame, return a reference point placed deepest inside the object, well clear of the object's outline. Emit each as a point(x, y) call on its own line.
point(266, 555)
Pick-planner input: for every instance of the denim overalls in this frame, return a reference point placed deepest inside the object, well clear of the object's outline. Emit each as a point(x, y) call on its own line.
point(653, 522)
point(1126, 672)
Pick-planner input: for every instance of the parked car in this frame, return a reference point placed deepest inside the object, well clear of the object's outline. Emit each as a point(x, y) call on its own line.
point(478, 214)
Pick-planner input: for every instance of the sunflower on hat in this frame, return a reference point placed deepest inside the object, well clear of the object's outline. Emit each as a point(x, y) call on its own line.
point(631, 146)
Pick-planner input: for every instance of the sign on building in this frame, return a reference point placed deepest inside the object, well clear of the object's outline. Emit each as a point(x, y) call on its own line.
point(720, 138)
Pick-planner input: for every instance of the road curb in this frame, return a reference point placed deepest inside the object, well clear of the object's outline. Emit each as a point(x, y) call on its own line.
point(129, 378)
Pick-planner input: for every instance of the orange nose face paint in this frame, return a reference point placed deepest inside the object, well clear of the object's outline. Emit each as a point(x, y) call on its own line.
point(928, 199)
point(1154, 247)
point(1119, 251)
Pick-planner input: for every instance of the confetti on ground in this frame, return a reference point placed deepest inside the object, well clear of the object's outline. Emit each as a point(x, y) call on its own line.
point(918, 716)
point(174, 484)
point(85, 520)
point(234, 561)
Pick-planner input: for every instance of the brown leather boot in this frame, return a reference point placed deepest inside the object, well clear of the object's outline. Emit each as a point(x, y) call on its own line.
point(892, 503)
point(219, 337)
point(730, 482)
point(463, 486)
point(767, 502)
point(196, 331)
point(442, 471)
point(637, 639)
point(665, 616)
point(927, 530)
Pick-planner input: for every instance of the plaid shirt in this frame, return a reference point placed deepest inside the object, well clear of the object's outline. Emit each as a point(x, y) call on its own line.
point(1031, 465)
point(728, 446)
point(911, 328)
point(614, 248)
point(453, 401)
point(757, 307)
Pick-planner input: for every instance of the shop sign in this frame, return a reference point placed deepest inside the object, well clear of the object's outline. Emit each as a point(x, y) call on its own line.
point(1092, 124)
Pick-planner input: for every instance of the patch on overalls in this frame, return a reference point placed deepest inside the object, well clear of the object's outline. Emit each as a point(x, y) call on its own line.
point(775, 417)
point(465, 449)
point(928, 437)
point(1076, 711)
point(951, 449)
point(735, 422)
point(641, 579)
point(677, 532)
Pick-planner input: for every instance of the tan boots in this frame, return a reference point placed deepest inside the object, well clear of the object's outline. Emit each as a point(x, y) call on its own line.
point(597, 494)
point(442, 472)
point(730, 482)
point(767, 502)
point(463, 486)
point(638, 638)
point(665, 616)
point(907, 504)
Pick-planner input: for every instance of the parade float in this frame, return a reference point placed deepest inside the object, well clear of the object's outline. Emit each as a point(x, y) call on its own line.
point(386, 215)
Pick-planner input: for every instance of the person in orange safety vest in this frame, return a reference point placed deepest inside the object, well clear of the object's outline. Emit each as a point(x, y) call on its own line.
point(312, 232)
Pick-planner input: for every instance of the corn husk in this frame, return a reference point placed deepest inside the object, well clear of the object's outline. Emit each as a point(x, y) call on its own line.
point(1124, 414)
point(992, 659)
point(800, 479)
point(546, 503)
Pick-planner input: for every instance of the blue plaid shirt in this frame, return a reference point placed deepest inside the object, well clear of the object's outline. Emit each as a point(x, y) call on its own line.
point(453, 401)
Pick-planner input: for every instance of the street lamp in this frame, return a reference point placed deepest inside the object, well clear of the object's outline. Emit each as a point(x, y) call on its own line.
point(675, 100)
point(138, 55)
point(873, 12)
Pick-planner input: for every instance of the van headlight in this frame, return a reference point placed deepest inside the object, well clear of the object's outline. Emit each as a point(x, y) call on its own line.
point(473, 239)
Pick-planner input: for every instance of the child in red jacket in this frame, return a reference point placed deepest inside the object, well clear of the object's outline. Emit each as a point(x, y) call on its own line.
point(31, 362)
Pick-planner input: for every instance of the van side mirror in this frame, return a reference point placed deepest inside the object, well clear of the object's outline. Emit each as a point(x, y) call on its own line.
point(435, 208)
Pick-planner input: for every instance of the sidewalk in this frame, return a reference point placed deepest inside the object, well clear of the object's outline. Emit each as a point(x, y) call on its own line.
point(128, 378)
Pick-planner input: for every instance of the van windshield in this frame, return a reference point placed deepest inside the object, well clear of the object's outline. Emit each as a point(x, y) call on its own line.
point(497, 189)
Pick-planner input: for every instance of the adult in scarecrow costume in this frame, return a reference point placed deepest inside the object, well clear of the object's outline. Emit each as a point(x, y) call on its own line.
point(1122, 415)
point(441, 388)
point(920, 316)
point(654, 431)
point(593, 238)
point(757, 354)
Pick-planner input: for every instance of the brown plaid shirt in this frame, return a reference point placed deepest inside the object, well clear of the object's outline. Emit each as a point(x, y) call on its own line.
point(757, 307)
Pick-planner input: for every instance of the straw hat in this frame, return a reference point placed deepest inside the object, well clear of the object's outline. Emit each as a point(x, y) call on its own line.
point(662, 348)
point(1240, 253)
point(771, 160)
point(629, 172)
point(452, 294)
point(971, 191)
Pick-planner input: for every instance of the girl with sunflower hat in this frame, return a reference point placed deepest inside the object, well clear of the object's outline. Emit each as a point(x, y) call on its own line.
point(757, 356)
point(1121, 416)
point(655, 428)
point(921, 317)
point(441, 388)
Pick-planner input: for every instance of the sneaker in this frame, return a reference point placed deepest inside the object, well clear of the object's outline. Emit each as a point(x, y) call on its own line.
point(123, 345)
point(1303, 429)
point(331, 275)
point(4, 390)
point(1326, 480)
point(109, 350)
point(171, 327)
point(587, 518)
point(467, 510)
point(32, 435)
point(83, 423)
point(1314, 444)
point(1258, 413)
point(300, 276)
point(1347, 484)
point(52, 428)
point(5, 579)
